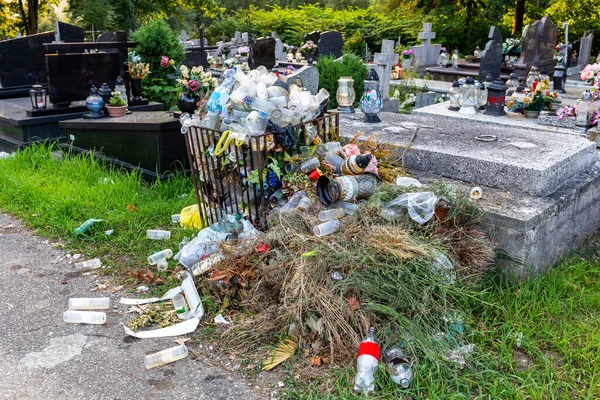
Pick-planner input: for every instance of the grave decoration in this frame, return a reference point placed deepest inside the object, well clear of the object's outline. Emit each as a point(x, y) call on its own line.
point(94, 103)
point(195, 85)
point(309, 49)
point(585, 111)
point(591, 73)
point(371, 101)
point(38, 97)
point(443, 58)
point(532, 102)
point(407, 59)
point(426, 54)
point(138, 71)
point(345, 95)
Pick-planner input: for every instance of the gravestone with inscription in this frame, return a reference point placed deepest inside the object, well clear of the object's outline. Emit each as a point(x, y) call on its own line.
point(331, 43)
point(491, 56)
point(67, 33)
point(306, 77)
point(538, 43)
point(427, 53)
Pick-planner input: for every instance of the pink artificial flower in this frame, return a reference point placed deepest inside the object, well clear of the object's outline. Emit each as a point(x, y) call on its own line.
point(372, 167)
point(193, 85)
point(164, 61)
point(350, 150)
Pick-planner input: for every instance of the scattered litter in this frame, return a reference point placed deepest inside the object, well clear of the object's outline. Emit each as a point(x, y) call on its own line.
point(175, 218)
point(165, 356)
point(326, 228)
point(180, 306)
point(106, 181)
point(87, 265)
point(280, 384)
point(4, 154)
point(407, 181)
point(142, 289)
point(206, 243)
point(366, 364)
point(476, 193)
point(262, 248)
point(182, 340)
point(157, 234)
point(87, 225)
point(316, 325)
point(207, 264)
point(101, 303)
point(421, 206)
point(160, 256)
point(84, 317)
point(109, 232)
point(219, 319)
point(193, 316)
point(100, 286)
point(162, 265)
point(337, 276)
point(459, 355)
point(399, 365)
point(442, 266)
point(76, 256)
point(518, 336)
point(189, 217)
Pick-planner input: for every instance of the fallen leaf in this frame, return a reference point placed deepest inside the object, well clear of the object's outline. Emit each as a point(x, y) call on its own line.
point(317, 325)
point(113, 290)
point(282, 352)
point(131, 208)
point(149, 276)
point(181, 341)
point(316, 361)
point(63, 282)
point(159, 280)
point(354, 304)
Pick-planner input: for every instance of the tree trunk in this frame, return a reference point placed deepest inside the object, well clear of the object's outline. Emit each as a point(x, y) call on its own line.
point(517, 27)
point(32, 20)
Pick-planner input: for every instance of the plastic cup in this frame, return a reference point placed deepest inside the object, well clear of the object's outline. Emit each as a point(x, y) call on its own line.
point(161, 255)
point(157, 234)
point(334, 160)
point(310, 165)
point(84, 317)
point(326, 228)
point(349, 208)
point(180, 305)
point(165, 356)
point(321, 150)
point(327, 215)
point(333, 147)
point(162, 265)
point(101, 303)
point(304, 204)
point(305, 152)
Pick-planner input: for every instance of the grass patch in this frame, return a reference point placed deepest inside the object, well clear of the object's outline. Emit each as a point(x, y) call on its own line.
point(54, 195)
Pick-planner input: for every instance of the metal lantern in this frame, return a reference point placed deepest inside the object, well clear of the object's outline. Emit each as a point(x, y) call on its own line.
point(469, 97)
point(544, 74)
point(105, 92)
point(496, 94)
point(454, 94)
point(512, 84)
point(38, 97)
point(371, 101)
point(120, 87)
point(585, 108)
point(345, 95)
point(560, 75)
point(94, 103)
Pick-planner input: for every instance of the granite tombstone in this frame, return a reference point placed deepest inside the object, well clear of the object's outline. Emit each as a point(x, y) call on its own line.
point(306, 77)
point(263, 53)
point(585, 48)
point(427, 53)
point(537, 44)
point(68, 33)
point(331, 43)
point(491, 56)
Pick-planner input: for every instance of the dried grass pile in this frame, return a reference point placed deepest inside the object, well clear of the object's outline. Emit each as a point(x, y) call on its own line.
point(391, 280)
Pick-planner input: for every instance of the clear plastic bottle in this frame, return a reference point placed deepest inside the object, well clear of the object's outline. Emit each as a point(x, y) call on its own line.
point(157, 234)
point(165, 356)
point(161, 255)
point(399, 366)
point(366, 363)
point(309, 165)
point(326, 228)
point(349, 208)
point(88, 265)
point(327, 215)
point(303, 204)
point(101, 303)
point(180, 306)
point(84, 317)
point(239, 224)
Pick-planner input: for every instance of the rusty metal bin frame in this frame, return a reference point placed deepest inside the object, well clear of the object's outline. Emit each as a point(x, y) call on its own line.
point(217, 198)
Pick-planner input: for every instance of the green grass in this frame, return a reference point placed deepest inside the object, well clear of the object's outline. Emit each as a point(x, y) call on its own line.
point(557, 314)
point(54, 196)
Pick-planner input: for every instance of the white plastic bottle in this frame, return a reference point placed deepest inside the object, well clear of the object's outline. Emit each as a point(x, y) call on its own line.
point(161, 255)
point(88, 265)
point(165, 356)
point(101, 303)
point(84, 317)
point(366, 363)
point(157, 234)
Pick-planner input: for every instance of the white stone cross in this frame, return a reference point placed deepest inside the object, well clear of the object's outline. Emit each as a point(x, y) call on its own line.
point(384, 62)
point(427, 34)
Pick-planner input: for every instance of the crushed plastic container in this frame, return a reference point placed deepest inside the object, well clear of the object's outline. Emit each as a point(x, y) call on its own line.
point(161, 255)
point(101, 303)
point(335, 213)
point(165, 356)
point(399, 365)
point(88, 265)
point(162, 265)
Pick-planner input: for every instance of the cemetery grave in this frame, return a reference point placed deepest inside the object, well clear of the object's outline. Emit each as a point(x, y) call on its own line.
point(397, 191)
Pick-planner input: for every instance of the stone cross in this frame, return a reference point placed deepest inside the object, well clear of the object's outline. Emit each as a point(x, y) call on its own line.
point(383, 62)
point(427, 34)
point(426, 53)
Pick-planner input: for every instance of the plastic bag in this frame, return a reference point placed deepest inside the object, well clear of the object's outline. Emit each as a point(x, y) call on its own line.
point(420, 205)
point(206, 243)
point(443, 267)
point(407, 181)
point(189, 217)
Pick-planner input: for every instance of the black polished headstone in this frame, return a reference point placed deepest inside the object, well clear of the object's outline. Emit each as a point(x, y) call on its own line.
point(72, 75)
point(331, 43)
point(314, 36)
point(574, 49)
point(263, 53)
point(68, 33)
point(117, 36)
point(491, 56)
point(22, 61)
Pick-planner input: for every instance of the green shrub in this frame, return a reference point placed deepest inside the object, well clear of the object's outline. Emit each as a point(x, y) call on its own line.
point(155, 40)
point(331, 70)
